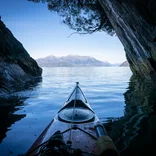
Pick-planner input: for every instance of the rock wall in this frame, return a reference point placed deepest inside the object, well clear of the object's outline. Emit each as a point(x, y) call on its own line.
point(16, 66)
point(135, 24)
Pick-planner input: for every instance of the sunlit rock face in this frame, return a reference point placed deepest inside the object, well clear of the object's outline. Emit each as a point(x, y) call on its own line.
point(135, 132)
point(135, 24)
point(16, 66)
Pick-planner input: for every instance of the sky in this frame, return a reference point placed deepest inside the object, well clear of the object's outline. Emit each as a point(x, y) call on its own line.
point(42, 33)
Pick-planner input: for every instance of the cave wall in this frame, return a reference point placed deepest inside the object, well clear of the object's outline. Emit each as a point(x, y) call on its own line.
point(16, 65)
point(134, 22)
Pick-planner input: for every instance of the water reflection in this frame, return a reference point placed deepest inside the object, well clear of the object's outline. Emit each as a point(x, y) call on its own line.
point(11, 103)
point(7, 116)
point(135, 132)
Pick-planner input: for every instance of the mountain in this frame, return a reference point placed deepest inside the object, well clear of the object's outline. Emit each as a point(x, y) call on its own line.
point(124, 64)
point(71, 61)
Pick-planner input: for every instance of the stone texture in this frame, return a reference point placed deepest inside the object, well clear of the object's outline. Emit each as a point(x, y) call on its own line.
point(16, 66)
point(134, 22)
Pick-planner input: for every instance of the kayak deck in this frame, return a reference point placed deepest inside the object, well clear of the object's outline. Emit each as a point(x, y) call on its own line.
point(76, 121)
point(83, 136)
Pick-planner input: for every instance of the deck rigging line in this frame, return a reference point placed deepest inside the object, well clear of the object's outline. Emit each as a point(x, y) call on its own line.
point(70, 135)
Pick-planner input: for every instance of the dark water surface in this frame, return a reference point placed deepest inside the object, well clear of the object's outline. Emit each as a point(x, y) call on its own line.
point(135, 133)
point(124, 105)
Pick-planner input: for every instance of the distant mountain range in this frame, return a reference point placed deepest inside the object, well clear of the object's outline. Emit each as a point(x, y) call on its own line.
point(124, 64)
point(71, 61)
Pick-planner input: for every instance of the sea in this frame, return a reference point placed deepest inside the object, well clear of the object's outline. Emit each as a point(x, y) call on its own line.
point(25, 114)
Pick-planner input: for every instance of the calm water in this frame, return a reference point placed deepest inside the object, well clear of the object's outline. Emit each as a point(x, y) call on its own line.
point(25, 115)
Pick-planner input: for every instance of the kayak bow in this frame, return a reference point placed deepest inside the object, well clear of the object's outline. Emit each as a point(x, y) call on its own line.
point(78, 124)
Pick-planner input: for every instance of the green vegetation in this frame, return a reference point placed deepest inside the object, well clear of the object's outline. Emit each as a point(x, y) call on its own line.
point(83, 16)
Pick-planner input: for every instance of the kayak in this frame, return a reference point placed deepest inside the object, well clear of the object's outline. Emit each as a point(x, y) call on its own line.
point(74, 129)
